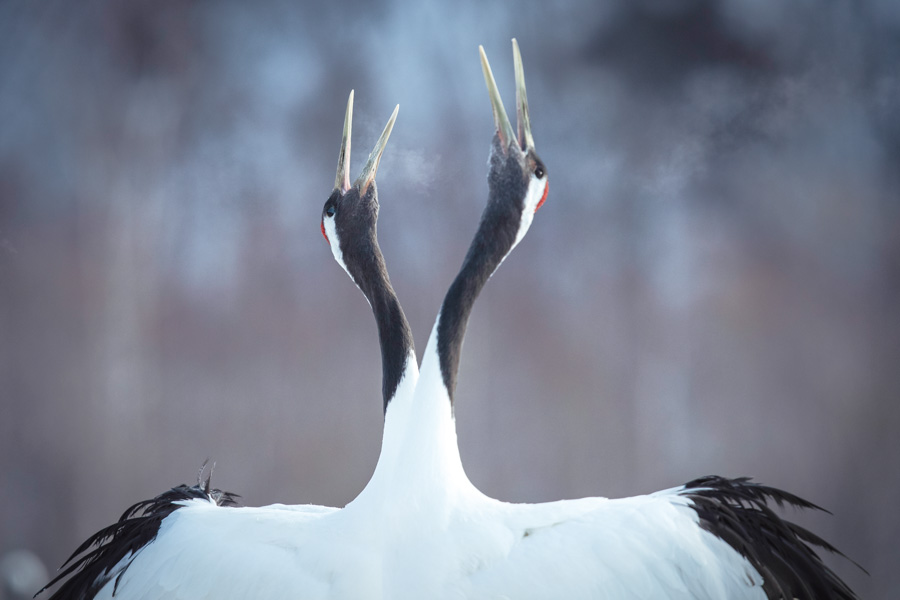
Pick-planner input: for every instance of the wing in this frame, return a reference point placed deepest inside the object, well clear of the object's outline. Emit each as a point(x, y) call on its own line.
point(208, 551)
point(193, 542)
point(737, 512)
point(642, 547)
point(713, 538)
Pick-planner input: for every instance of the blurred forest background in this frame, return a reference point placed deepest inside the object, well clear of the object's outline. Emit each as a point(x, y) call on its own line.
point(712, 287)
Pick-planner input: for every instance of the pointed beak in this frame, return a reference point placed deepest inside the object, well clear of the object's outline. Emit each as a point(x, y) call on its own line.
point(501, 121)
point(526, 142)
point(342, 179)
point(368, 173)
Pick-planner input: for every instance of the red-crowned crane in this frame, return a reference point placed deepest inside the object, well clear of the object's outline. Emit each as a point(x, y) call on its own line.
point(712, 538)
point(193, 542)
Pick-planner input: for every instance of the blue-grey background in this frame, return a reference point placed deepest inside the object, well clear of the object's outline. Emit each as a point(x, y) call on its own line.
point(711, 287)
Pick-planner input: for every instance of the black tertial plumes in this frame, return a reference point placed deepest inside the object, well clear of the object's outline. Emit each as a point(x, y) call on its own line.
point(108, 553)
point(737, 511)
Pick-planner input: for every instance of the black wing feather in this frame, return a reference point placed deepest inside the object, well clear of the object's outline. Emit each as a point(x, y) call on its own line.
point(737, 511)
point(88, 570)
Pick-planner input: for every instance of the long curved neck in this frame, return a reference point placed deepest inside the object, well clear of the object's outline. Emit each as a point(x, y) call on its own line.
point(394, 333)
point(400, 372)
point(396, 342)
point(433, 473)
point(494, 239)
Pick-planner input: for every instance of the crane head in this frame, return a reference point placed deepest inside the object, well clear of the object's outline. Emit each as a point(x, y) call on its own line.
point(350, 214)
point(516, 171)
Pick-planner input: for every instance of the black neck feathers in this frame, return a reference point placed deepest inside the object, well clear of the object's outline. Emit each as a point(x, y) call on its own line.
point(367, 267)
point(394, 335)
point(494, 239)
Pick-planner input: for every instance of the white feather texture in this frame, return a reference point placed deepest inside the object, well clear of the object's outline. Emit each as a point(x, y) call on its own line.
point(422, 530)
point(428, 543)
point(391, 461)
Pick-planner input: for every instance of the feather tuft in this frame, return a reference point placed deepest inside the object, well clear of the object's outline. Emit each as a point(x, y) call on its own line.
point(737, 511)
point(107, 554)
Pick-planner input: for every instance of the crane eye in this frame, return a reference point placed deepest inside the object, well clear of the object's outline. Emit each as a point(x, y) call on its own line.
point(539, 172)
point(329, 210)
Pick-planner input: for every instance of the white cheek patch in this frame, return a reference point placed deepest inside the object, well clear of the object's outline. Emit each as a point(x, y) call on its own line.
point(533, 197)
point(334, 242)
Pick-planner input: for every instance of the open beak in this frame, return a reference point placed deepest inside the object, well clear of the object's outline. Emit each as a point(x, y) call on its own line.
point(368, 172)
point(342, 179)
point(501, 121)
